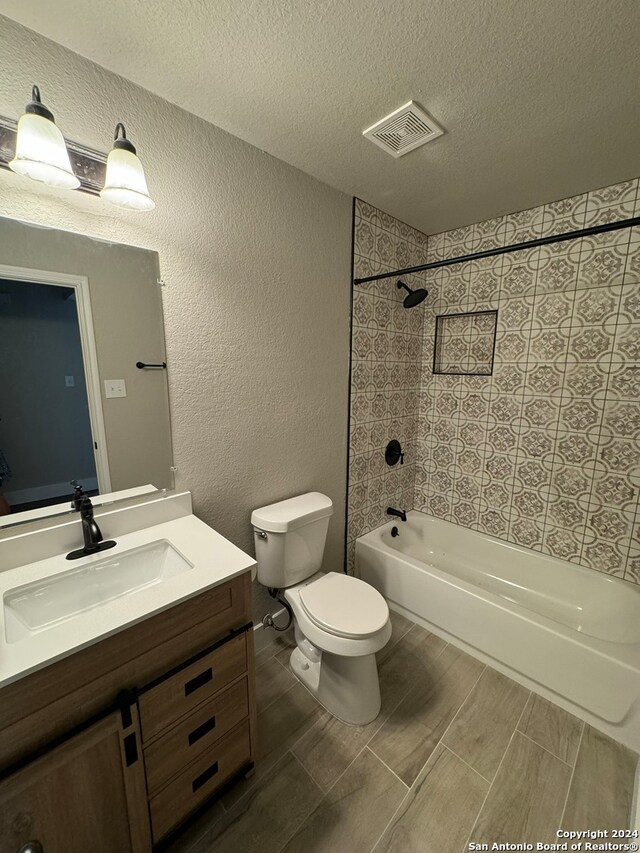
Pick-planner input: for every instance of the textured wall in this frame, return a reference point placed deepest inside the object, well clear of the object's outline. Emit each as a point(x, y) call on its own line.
point(545, 452)
point(385, 372)
point(256, 256)
point(532, 120)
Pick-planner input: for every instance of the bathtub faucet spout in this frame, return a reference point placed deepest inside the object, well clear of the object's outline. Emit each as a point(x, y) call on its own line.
point(398, 513)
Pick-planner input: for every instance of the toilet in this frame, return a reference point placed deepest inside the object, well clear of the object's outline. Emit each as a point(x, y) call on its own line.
point(340, 621)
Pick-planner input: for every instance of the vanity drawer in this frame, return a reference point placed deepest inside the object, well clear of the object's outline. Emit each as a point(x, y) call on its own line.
point(203, 776)
point(171, 752)
point(181, 693)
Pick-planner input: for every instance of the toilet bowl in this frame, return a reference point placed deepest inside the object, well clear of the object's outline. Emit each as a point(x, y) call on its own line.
point(340, 621)
point(340, 624)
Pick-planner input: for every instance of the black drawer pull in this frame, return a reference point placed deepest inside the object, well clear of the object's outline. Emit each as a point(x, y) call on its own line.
point(202, 730)
point(198, 681)
point(209, 773)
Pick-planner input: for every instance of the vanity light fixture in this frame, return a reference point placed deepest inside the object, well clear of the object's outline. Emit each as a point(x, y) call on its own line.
point(125, 183)
point(41, 152)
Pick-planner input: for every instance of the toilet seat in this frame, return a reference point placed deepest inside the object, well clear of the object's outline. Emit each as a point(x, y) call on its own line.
point(344, 606)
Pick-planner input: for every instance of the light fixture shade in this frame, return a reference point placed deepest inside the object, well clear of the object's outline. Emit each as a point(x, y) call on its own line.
point(41, 152)
point(125, 183)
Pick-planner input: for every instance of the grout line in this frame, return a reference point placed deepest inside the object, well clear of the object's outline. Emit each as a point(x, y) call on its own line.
point(280, 695)
point(497, 773)
point(375, 755)
point(393, 816)
point(389, 648)
point(382, 719)
point(402, 696)
point(459, 757)
point(283, 665)
point(464, 701)
point(302, 822)
point(339, 777)
point(544, 748)
point(530, 700)
point(255, 782)
point(573, 771)
point(439, 742)
point(462, 704)
point(255, 779)
point(309, 774)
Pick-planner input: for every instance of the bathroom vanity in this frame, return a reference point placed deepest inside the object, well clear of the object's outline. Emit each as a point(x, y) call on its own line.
point(120, 718)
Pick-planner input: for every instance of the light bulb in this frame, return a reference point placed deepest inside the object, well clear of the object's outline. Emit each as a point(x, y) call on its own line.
point(125, 183)
point(41, 152)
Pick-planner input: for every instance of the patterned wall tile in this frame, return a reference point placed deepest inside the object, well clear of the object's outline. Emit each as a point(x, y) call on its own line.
point(567, 382)
point(545, 453)
point(568, 214)
point(632, 572)
point(562, 543)
point(523, 226)
point(611, 203)
point(386, 371)
point(558, 269)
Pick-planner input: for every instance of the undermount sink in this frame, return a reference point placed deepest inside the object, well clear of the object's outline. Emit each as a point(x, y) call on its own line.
point(42, 604)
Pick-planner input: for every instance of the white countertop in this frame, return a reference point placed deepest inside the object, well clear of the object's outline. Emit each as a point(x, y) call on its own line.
point(215, 560)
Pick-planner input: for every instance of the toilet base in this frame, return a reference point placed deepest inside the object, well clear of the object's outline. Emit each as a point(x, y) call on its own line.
point(347, 687)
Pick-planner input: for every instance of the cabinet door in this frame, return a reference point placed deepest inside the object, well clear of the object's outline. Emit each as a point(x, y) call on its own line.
point(87, 794)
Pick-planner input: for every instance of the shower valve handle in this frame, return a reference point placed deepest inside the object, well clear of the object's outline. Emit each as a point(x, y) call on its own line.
point(393, 453)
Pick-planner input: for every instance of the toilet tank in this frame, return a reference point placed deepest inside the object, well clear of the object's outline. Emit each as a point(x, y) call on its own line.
point(289, 537)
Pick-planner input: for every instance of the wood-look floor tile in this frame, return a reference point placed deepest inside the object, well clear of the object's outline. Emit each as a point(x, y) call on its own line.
point(262, 822)
point(483, 726)
point(400, 625)
point(409, 736)
point(284, 644)
point(602, 787)
point(188, 840)
point(408, 663)
point(526, 799)
point(355, 811)
point(279, 727)
point(440, 810)
point(272, 680)
point(329, 746)
point(552, 727)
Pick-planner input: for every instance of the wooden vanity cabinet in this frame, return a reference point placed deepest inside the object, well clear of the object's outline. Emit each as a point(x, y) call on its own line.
point(114, 747)
point(87, 794)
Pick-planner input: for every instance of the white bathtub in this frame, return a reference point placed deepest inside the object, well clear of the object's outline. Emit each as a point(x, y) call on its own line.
point(567, 632)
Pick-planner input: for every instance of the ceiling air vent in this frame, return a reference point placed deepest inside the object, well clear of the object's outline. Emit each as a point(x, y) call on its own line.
point(405, 129)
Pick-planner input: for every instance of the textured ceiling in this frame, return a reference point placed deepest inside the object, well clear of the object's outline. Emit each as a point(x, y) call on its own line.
point(539, 98)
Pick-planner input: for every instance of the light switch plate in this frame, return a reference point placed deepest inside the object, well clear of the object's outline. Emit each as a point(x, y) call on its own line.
point(70, 381)
point(115, 388)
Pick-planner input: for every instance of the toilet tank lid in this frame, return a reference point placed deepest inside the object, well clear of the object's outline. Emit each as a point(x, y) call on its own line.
point(294, 512)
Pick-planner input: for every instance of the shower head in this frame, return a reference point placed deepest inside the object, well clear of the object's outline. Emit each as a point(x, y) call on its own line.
point(413, 297)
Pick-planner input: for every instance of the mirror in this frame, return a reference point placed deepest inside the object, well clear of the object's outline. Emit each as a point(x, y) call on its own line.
point(78, 319)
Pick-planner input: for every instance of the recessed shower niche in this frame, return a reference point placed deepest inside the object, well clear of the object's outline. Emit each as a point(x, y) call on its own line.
point(465, 343)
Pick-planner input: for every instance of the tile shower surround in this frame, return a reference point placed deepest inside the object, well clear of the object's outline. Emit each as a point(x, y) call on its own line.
point(545, 453)
point(386, 349)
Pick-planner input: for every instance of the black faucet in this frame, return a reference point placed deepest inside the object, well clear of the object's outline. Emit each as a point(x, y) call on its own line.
point(398, 513)
point(90, 531)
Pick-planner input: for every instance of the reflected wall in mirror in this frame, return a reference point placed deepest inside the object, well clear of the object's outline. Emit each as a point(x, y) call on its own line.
point(76, 316)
